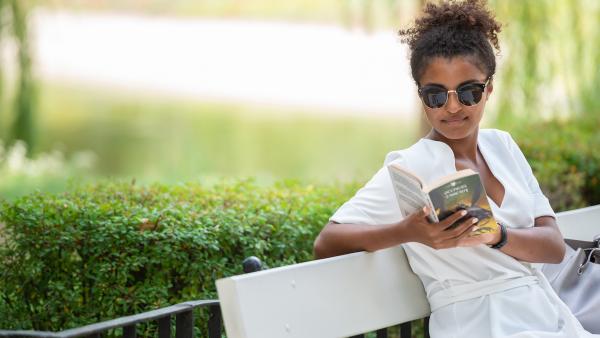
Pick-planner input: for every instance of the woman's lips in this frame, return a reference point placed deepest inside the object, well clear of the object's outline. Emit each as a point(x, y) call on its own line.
point(455, 121)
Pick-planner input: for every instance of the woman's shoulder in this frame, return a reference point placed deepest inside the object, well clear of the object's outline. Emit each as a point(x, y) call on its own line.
point(427, 158)
point(405, 155)
point(496, 137)
point(494, 134)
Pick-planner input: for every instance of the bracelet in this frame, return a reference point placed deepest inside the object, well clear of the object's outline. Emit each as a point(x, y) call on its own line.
point(503, 238)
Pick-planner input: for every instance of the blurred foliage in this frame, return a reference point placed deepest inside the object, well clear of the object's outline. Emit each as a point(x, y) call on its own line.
point(546, 92)
point(550, 49)
point(108, 250)
point(547, 70)
point(152, 138)
point(14, 33)
point(49, 172)
point(549, 60)
point(565, 159)
point(172, 140)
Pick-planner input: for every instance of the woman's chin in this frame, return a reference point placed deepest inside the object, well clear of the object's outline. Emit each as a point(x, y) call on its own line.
point(454, 132)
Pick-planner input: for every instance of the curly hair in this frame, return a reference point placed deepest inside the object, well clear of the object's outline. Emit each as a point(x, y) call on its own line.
point(453, 28)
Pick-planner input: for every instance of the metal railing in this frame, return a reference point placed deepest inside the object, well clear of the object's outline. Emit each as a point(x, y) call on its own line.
point(184, 323)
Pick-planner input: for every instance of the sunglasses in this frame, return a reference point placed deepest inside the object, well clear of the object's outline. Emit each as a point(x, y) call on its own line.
point(469, 94)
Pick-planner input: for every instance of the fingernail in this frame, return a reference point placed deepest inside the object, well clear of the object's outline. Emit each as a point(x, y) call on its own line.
point(475, 220)
point(464, 212)
point(474, 229)
point(425, 210)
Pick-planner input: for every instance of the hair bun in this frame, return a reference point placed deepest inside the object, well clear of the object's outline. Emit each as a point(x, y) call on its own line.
point(455, 15)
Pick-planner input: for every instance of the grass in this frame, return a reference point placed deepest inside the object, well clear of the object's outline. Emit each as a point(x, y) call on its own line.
point(149, 138)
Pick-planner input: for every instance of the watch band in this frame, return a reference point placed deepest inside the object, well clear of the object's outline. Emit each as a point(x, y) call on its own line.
point(502, 237)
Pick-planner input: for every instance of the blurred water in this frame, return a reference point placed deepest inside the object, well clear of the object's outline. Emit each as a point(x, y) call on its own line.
point(318, 67)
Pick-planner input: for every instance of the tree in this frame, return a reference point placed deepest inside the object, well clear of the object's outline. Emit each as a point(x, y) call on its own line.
point(13, 27)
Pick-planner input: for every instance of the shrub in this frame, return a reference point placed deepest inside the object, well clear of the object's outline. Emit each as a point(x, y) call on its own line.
point(565, 158)
point(109, 250)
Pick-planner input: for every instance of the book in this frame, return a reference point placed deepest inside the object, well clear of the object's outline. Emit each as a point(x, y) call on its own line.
point(462, 190)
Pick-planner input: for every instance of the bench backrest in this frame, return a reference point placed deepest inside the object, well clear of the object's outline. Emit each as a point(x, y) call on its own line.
point(343, 296)
point(581, 224)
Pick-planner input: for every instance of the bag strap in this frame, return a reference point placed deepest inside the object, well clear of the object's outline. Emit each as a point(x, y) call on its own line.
point(591, 250)
point(577, 244)
point(590, 258)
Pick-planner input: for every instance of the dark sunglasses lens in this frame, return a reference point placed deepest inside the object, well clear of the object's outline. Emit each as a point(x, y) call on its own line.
point(434, 97)
point(470, 94)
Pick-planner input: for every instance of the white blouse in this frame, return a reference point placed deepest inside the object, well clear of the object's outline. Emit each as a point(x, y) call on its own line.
point(474, 291)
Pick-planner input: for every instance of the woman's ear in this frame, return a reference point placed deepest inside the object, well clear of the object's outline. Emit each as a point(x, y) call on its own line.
point(489, 89)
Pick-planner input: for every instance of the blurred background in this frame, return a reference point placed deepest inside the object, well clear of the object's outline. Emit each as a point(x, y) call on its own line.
point(187, 90)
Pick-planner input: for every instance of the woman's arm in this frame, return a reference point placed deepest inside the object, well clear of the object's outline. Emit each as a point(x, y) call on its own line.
point(542, 243)
point(338, 239)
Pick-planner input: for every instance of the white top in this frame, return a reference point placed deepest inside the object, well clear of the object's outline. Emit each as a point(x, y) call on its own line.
point(474, 291)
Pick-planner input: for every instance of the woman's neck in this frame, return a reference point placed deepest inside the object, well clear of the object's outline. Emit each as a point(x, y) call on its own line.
point(463, 149)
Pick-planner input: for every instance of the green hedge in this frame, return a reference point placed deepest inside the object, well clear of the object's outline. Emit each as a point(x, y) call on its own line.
point(109, 250)
point(565, 157)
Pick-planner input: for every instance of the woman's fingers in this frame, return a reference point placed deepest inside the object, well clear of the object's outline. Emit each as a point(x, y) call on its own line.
point(424, 212)
point(438, 236)
point(419, 216)
point(448, 221)
point(468, 240)
point(463, 229)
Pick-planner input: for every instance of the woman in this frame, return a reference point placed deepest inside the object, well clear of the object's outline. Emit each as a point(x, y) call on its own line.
point(477, 286)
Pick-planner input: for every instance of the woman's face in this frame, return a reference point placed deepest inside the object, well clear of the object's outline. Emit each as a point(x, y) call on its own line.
point(454, 120)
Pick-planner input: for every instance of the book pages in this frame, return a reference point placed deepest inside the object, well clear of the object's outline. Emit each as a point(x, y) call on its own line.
point(408, 192)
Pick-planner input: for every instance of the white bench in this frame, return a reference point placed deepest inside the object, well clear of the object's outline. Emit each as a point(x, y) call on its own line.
point(345, 295)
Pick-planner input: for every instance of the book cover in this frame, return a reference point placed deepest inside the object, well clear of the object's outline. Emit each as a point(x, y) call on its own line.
point(464, 193)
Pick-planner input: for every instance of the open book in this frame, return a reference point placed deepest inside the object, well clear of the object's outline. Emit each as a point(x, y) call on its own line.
point(461, 190)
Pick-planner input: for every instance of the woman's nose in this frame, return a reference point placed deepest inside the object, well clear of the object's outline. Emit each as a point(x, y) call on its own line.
point(453, 106)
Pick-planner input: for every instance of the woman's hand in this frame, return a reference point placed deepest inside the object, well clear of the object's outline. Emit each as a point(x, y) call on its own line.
point(437, 235)
point(487, 239)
